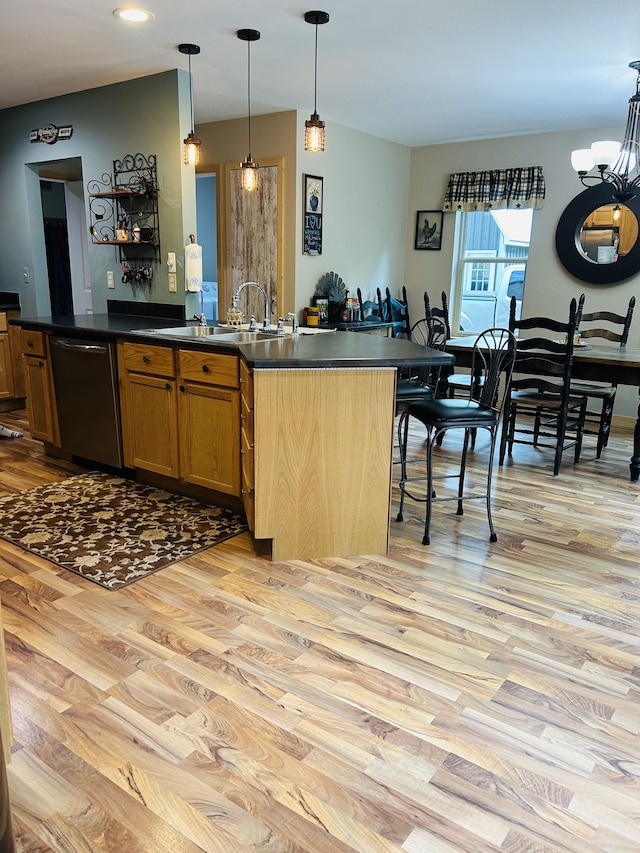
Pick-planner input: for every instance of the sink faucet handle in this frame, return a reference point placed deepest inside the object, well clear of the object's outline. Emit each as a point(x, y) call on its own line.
point(294, 322)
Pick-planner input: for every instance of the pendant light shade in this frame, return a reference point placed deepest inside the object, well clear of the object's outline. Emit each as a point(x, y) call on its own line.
point(191, 143)
point(249, 166)
point(314, 127)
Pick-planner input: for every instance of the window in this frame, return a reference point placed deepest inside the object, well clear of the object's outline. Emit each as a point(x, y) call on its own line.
point(490, 264)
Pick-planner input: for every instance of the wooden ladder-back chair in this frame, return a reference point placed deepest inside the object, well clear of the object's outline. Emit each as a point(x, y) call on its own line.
point(493, 359)
point(541, 389)
point(606, 326)
point(397, 312)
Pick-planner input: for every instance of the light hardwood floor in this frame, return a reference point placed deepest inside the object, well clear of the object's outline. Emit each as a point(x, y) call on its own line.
point(457, 698)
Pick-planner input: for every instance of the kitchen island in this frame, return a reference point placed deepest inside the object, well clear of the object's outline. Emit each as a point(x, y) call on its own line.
point(298, 428)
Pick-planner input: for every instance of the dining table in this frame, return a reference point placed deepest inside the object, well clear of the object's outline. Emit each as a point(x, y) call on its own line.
point(591, 362)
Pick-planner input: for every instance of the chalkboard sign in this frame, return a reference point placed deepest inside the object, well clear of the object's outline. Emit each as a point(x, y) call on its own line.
point(312, 226)
point(312, 234)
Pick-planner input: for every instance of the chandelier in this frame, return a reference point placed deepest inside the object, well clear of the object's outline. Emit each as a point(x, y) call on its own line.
point(616, 163)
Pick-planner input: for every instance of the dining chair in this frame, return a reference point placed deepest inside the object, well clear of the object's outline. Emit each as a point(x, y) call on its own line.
point(453, 383)
point(493, 359)
point(542, 410)
point(420, 383)
point(397, 311)
point(369, 310)
point(607, 326)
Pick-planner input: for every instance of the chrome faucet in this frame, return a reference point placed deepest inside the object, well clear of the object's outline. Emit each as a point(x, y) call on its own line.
point(294, 322)
point(266, 324)
point(201, 318)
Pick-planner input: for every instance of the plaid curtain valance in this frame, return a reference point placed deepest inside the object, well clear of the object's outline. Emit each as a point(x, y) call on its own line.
point(495, 189)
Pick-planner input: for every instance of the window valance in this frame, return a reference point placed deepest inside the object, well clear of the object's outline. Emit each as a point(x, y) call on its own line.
point(496, 189)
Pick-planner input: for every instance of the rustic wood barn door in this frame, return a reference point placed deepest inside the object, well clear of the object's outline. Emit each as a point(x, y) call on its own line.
point(253, 250)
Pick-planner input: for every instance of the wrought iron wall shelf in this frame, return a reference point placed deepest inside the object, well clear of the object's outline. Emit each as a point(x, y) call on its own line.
point(123, 208)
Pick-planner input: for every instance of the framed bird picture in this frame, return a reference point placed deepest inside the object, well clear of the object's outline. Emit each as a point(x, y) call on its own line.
point(429, 230)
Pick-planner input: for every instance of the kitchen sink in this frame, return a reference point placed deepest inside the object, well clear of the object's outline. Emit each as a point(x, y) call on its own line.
point(222, 333)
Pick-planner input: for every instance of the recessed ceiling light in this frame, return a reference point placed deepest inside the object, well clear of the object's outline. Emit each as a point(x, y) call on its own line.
point(136, 16)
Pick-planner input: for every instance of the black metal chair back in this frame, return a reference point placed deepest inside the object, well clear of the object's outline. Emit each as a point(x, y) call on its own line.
point(493, 362)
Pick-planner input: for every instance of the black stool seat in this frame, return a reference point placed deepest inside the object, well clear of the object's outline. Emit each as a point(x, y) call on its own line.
point(456, 412)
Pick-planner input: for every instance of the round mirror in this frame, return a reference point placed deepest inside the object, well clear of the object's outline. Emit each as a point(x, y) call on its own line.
point(608, 233)
point(597, 237)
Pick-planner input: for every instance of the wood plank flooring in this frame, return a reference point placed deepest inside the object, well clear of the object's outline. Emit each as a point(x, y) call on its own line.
point(463, 697)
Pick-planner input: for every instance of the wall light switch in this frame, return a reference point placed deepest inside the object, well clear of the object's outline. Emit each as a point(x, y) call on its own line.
point(25, 275)
point(172, 282)
point(171, 262)
point(110, 280)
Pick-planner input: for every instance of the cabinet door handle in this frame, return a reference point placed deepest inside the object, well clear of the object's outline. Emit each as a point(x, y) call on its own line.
point(30, 343)
point(168, 386)
point(182, 388)
point(205, 368)
point(146, 359)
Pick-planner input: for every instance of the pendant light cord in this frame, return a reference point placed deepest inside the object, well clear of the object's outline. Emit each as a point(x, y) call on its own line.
point(315, 88)
point(191, 95)
point(249, 92)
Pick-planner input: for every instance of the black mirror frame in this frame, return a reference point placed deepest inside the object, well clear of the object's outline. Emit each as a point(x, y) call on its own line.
point(568, 239)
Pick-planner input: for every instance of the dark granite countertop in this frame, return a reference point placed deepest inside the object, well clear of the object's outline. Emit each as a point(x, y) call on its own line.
point(321, 350)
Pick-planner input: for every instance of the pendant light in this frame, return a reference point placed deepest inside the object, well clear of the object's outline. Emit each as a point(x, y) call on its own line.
point(314, 128)
point(249, 166)
point(191, 143)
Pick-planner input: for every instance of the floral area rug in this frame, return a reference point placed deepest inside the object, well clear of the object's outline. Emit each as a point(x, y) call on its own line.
point(111, 530)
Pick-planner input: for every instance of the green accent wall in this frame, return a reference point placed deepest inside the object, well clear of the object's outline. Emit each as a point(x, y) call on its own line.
point(149, 115)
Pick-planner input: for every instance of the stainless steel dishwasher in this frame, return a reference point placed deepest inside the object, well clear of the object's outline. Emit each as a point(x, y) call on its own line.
point(86, 391)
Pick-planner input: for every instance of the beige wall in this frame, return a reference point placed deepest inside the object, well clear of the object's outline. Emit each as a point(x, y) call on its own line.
point(366, 188)
point(549, 287)
point(366, 191)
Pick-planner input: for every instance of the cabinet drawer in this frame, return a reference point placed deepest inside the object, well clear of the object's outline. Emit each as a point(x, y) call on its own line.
point(209, 367)
point(32, 343)
point(246, 452)
point(246, 416)
point(3, 321)
point(246, 383)
point(142, 358)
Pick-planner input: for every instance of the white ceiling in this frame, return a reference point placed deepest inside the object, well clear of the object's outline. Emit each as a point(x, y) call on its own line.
point(416, 72)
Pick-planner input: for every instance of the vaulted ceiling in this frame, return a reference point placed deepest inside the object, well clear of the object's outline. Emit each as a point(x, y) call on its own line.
point(413, 72)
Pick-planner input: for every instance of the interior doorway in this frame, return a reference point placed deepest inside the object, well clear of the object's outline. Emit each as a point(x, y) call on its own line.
point(65, 237)
point(207, 237)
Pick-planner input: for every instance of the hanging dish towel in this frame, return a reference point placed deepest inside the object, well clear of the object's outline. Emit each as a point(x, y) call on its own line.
point(193, 266)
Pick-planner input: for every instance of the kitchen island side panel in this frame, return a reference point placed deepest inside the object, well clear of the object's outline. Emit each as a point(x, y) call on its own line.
point(323, 460)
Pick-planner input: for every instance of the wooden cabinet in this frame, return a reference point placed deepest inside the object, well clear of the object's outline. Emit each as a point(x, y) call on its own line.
point(37, 373)
point(209, 420)
point(12, 385)
point(149, 408)
point(181, 414)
